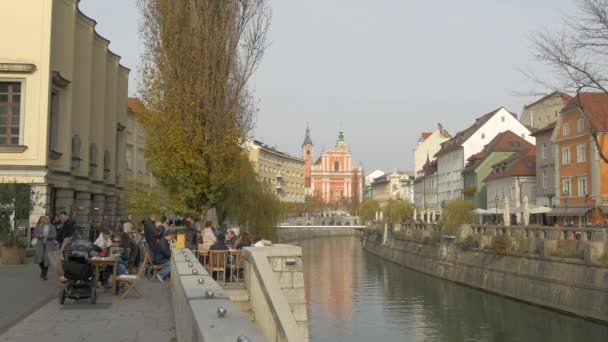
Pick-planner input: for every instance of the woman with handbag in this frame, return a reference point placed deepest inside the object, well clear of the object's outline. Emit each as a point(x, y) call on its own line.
point(47, 236)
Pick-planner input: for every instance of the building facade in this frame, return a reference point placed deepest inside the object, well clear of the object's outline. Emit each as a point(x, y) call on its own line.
point(398, 184)
point(282, 173)
point(453, 154)
point(545, 111)
point(428, 145)
point(66, 93)
point(513, 180)
point(545, 166)
point(136, 165)
point(334, 178)
point(425, 193)
point(581, 175)
point(479, 165)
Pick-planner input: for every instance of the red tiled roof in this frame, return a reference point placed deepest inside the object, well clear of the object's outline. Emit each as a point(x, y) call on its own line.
point(595, 107)
point(425, 135)
point(519, 164)
point(506, 141)
point(135, 104)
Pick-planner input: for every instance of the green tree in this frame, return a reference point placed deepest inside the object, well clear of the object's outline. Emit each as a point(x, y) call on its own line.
point(142, 199)
point(198, 58)
point(249, 202)
point(16, 202)
point(456, 213)
point(397, 209)
point(369, 208)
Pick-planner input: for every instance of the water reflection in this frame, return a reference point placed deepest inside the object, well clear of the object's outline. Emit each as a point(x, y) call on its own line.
point(355, 296)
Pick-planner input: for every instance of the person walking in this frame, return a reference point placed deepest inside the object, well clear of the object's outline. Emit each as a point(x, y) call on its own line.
point(67, 227)
point(47, 236)
point(127, 226)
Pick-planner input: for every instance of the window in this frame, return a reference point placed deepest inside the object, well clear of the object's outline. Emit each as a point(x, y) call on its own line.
point(336, 166)
point(129, 153)
point(483, 135)
point(545, 180)
point(566, 129)
point(581, 155)
point(566, 186)
point(580, 125)
point(566, 155)
point(543, 151)
point(10, 113)
point(307, 152)
point(582, 186)
point(54, 130)
point(502, 118)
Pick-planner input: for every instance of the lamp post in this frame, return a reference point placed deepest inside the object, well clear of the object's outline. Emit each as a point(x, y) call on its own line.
point(566, 221)
point(496, 208)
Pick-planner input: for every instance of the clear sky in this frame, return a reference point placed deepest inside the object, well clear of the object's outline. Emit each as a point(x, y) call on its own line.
point(382, 70)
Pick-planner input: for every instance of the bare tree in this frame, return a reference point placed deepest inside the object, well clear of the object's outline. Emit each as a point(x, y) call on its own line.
point(578, 54)
point(199, 56)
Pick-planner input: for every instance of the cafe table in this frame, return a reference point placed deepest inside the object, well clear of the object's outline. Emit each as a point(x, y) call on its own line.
point(100, 261)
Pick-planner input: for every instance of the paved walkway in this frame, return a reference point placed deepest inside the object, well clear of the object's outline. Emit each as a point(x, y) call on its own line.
point(148, 319)
point(23, 292)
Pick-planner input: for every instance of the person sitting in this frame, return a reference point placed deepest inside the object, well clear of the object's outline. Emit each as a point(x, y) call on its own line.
point(243, 241)
point(118, 252)
point(162, 256)
point(258, 242)
point(220, 244)
point(104, 241)
point(230, 238)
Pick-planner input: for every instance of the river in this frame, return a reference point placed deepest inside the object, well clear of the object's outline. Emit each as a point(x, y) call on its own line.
point(356, 296)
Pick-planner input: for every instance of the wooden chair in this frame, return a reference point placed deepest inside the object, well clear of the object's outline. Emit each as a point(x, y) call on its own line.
point(237, 266)
point(147, 260)
point(217, 264)
point(131, 279)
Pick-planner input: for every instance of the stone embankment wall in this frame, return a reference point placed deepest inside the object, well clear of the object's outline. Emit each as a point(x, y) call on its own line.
point(295, 233)
point(524, 268)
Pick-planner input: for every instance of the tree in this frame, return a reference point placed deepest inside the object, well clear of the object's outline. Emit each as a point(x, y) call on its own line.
point(142, 199)
point(578, 54)
point(198, 58)
point(397, 209)
point(369, 208)
point(16, 202)
point(250, 203)
point(355, 204)
point(456, 213)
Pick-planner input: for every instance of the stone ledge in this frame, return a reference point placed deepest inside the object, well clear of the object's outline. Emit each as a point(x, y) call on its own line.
point(12, 148)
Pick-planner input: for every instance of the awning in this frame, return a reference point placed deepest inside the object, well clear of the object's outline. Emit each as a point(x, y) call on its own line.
point(480, 211)
point(493, 211)
point(540, 210)
point(569, 211)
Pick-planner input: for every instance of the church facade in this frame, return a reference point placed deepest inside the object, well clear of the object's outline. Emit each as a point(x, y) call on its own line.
point(332, 177)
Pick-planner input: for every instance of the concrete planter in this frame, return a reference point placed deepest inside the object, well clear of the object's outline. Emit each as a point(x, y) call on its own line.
point(13, 255)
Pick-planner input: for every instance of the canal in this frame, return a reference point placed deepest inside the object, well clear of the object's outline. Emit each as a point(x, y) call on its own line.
point(355, 296)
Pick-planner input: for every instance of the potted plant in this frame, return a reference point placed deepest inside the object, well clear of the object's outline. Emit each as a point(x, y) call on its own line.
point(16, 202)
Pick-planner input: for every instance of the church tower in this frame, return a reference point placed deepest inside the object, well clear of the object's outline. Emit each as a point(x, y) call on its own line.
point(307, 156)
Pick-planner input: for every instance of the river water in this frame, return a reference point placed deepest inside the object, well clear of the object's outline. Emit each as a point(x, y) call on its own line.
point(356, 296)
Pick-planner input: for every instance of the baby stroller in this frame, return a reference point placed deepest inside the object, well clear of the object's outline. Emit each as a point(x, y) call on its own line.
point(77, 269)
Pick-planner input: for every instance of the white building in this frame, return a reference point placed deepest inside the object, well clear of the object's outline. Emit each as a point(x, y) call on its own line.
point(454, 152)
point(428, 145)
point(368, 180)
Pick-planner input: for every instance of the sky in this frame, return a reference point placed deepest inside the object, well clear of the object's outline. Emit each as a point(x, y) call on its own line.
point(383, 71)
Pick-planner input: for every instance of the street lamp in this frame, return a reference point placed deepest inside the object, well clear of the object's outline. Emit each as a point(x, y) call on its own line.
point(567, 222)
point(496, 209)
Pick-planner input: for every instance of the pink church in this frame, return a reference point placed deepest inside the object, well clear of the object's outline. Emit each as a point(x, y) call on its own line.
point(332, 177)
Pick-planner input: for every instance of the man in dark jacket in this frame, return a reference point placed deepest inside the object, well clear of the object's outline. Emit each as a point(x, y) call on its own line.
point(162, 256)
point(67, 227)
point(150, 231)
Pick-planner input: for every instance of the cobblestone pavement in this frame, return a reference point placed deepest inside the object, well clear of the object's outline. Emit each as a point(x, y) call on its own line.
point(147, 319)
point(23, 292)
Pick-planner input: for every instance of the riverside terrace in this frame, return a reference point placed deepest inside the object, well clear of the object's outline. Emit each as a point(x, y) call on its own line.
point(270, 305)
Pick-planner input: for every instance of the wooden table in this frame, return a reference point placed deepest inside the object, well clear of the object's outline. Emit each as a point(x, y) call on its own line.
point(100, 261)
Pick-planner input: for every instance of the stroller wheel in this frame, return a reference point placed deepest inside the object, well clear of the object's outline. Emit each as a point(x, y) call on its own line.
point(93, 296)
point(62, 297)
